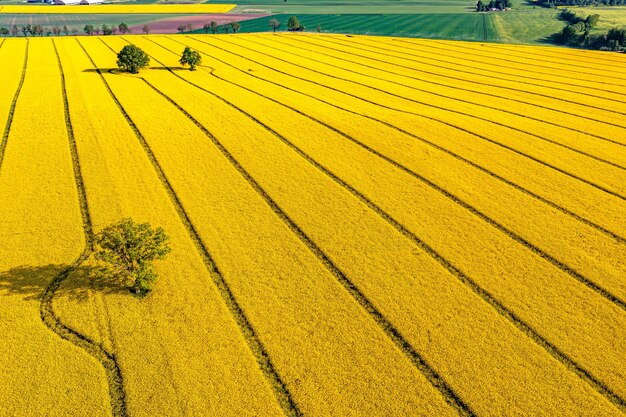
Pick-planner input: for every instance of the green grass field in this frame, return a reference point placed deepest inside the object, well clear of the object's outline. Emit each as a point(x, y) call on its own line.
point(515, 27)
point(610, 17)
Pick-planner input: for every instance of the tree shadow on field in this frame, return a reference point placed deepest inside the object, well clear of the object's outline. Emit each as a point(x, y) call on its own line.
point(32, 281)
point(117, 71)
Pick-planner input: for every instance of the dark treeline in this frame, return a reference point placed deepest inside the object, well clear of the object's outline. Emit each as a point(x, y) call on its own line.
point(38, 30)
point(493, 5)
point(577, 33)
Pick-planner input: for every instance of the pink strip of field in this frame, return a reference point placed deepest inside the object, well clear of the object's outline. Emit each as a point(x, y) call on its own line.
point(170, 25)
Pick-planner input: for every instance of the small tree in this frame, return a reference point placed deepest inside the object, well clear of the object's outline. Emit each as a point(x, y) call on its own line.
point(189, 27)
point(132, 58)
point(215, 27)
point(106, 30)
point(146, 29)
point(14, 30)
point(225, 26)
point(293, 24)
point(66, 30)
point(4, 32)
point(318, 28)
point(206, 28)
point(88, 29)
point(181, 28)
point(56, 30)
point(191, 58)
point(274, 24)
point(235, 26)
point(130, 248)
point(123, 28)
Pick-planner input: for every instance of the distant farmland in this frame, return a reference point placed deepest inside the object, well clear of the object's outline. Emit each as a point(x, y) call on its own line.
point(360, 226)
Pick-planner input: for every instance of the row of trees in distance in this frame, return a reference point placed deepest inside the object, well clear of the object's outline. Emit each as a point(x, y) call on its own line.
point(39, 30)
point(578, 33)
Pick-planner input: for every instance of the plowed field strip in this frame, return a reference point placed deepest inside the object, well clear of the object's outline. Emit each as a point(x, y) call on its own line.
point(430, 143)
point(493, 63)
point(7, 128)
point(480, 136)
point(362, 63)
point(472, 71)
point(283, 396)
point(529, 331)
point(516, 237)
point(48, 316)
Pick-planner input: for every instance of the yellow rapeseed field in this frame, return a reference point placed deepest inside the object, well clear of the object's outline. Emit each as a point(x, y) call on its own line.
point(360, 226)
point(120, 9)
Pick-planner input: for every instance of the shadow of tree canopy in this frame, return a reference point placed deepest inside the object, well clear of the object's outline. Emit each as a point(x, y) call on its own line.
point(32, 281)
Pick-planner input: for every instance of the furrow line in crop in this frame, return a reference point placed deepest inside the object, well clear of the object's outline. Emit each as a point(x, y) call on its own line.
point(7, 128)
point(477, 135)
point(492, 64)
point(471, 73)
point(432, 144)
point(281, 392)
point(386, 326)
point(483, 93)
point(495, 122)
point(48, 316)
point(528, 330)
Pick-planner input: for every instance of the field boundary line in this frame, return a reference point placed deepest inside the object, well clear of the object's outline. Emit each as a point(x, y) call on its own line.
point(434, 145)
point(280, 390)
point(483, 93)
point(477, 135)
point(507, 67)
point(473, 210)
point(324, 38)
point(7, 128)
point(386, 326)
point(503, 125)
point(48, 316)
point(565, 360)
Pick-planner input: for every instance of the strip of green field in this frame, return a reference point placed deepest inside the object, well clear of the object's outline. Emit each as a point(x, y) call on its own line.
point(78, 21)
point(517, 27)
point(353, 6)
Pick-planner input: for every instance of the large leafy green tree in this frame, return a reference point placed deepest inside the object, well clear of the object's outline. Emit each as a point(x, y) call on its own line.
point(132, 58)
point(130, 248)
point(191, 58)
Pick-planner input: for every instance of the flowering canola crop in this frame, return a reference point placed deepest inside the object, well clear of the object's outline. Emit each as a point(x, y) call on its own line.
point(360, 226)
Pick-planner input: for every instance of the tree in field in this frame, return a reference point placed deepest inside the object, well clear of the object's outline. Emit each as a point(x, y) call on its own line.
point(318, 28)
point(293, 24)
point(146, 29)
point(123, 28)
point(275, 24)
point(4, 31)
point(14, 30)
point(132, 58)
point(215, 27)
point(191, 58)
point(97, 30)
point(66, 30)
point(189, 27)
point(181, 28)
point(130, 249)
point(225, 26)
point(114, 30)
point(206, 28)
point(235, 26)
point(56, 30)
point(88, 29)
point(106, 30)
